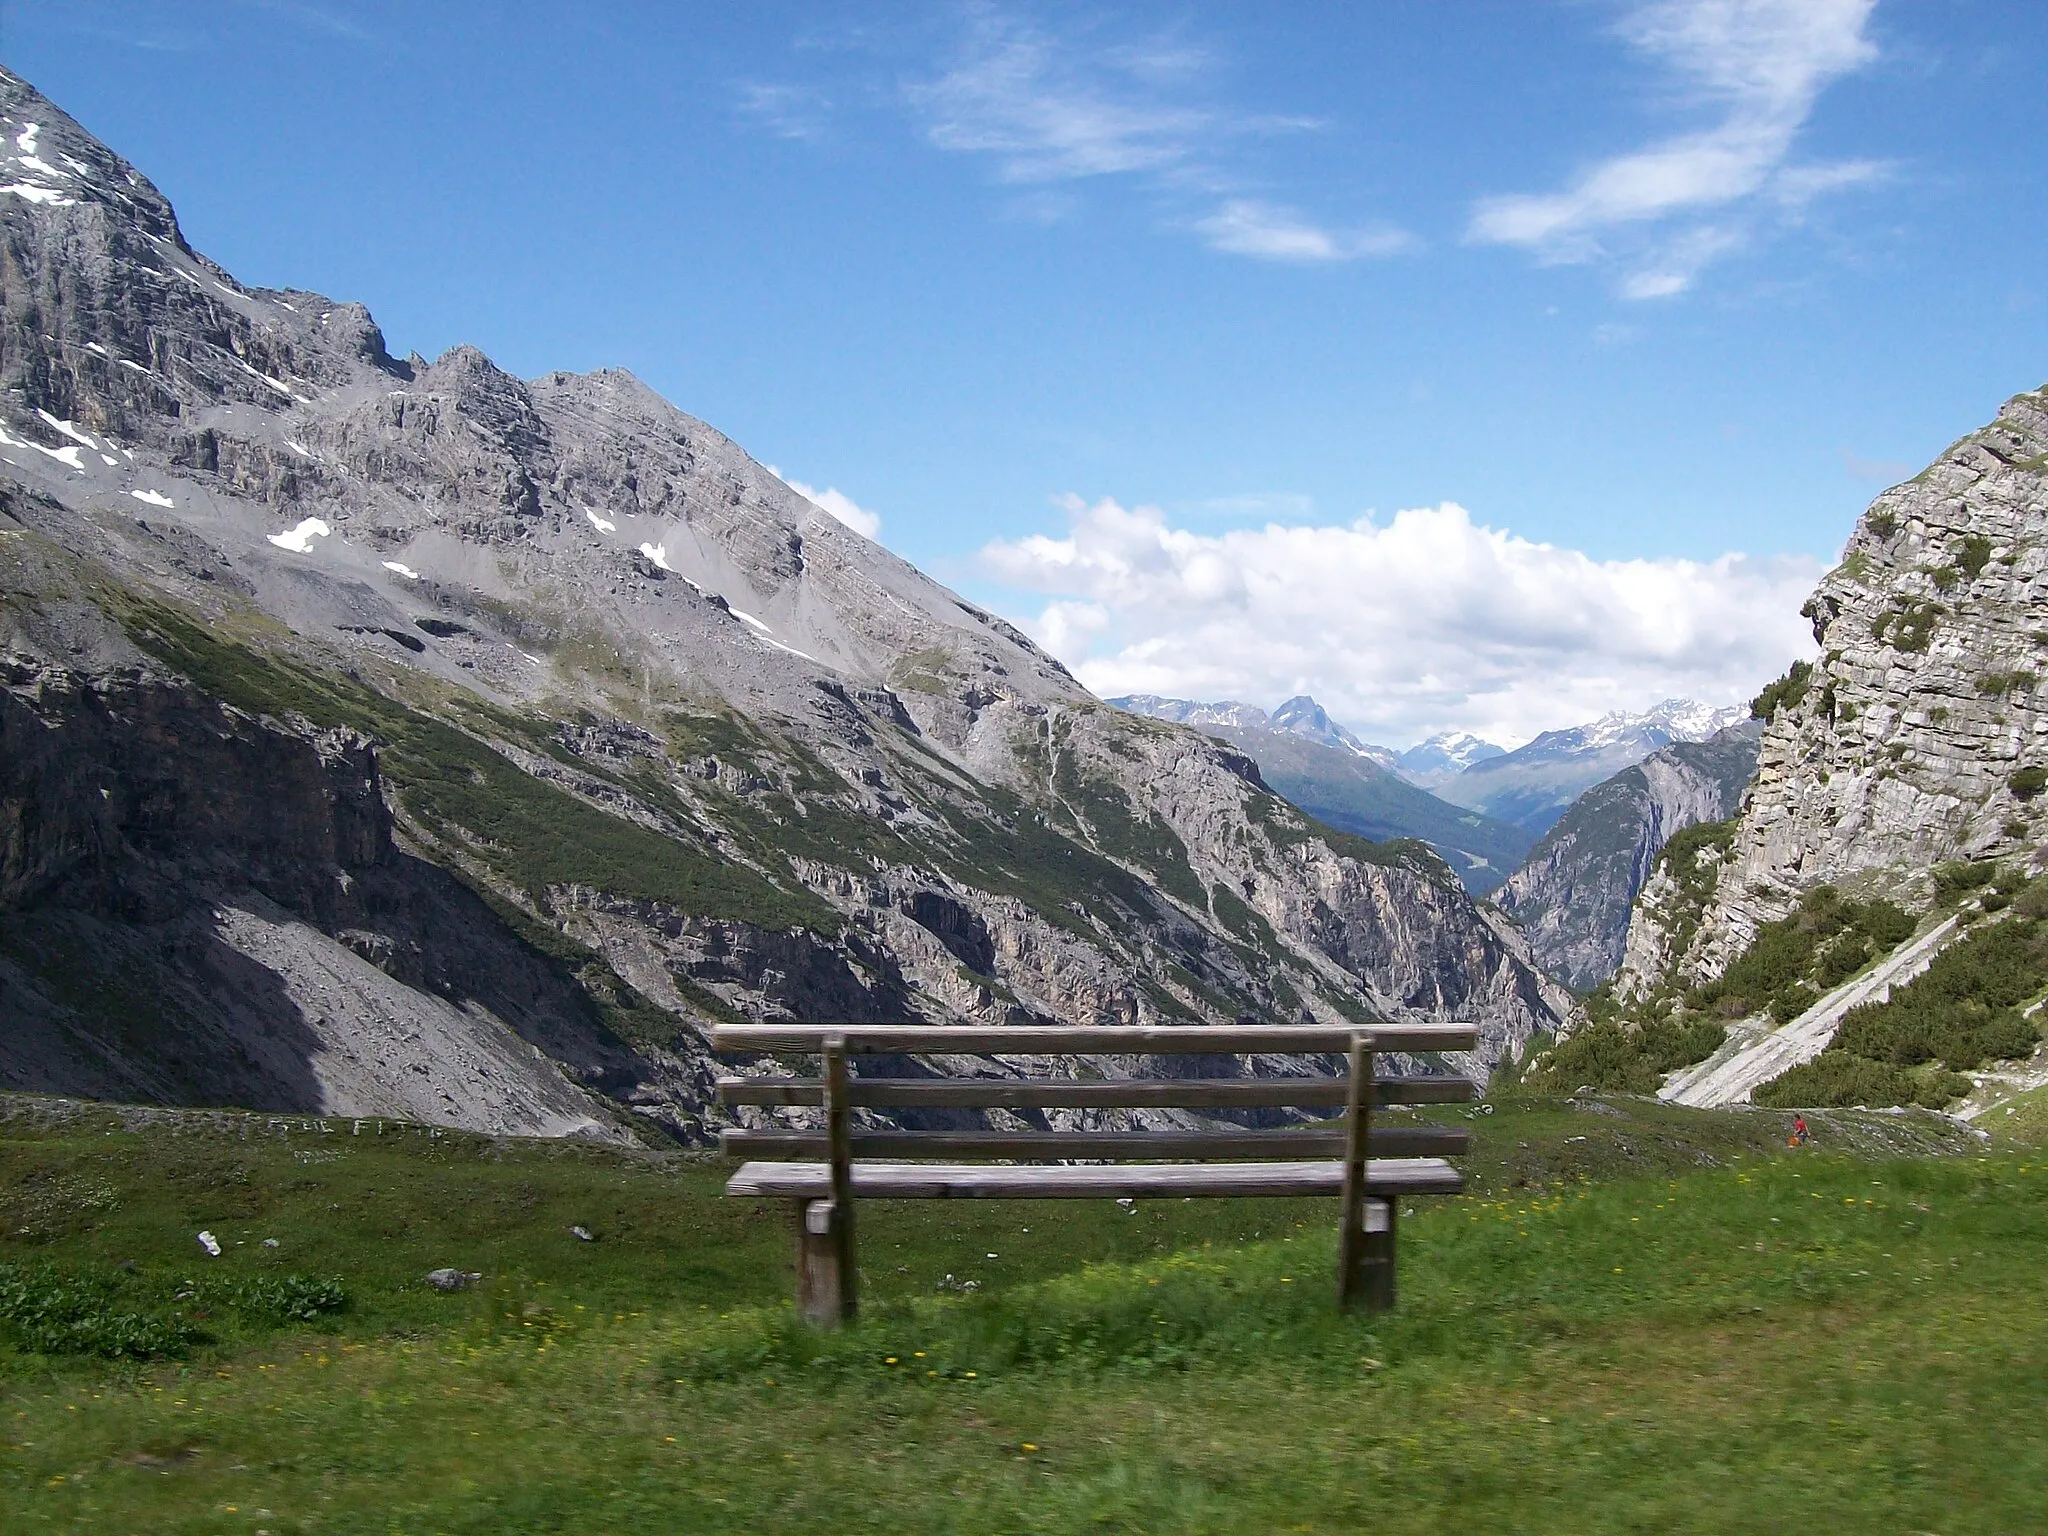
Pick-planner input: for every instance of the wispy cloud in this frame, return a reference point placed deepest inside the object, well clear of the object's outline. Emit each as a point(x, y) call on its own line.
point(787, 111)
point(1051, 114)
point(1247, 227)
point(1425, 622)
point(315, 17)
point(1047, 110)
point(1761, 66)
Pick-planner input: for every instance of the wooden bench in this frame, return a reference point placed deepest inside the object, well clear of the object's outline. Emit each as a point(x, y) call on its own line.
point(1368, 1165)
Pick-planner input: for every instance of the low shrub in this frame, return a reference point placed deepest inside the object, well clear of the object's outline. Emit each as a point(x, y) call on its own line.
point(51, 1312)
point(1784, 693)
point(1792, 961)
point(1618, 1055)
point(1839, 1079)
point(1964, 1009)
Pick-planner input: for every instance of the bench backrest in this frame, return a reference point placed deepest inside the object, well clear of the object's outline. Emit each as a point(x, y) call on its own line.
point(1358, 1091)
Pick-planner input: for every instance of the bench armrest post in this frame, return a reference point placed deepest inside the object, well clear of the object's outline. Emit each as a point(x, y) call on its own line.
point(1357, 1148)
point(839, 1132)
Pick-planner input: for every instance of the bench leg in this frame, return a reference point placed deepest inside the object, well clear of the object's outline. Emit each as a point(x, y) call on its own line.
point(824, 1255)
point(1376, 1287)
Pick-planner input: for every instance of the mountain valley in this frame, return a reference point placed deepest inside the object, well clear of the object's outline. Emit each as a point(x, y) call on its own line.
point(401, 737)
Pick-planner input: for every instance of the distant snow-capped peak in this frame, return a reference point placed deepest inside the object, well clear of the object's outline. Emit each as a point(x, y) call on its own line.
point(1299, 716)
point(1228, 713)
point(1449, 752)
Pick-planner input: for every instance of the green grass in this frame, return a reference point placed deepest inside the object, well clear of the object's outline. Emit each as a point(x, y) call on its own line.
point(1646, 1320)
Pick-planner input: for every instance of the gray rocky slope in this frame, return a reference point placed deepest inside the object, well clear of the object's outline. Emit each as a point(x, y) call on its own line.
point(1575, 891)
point(1921, 735)
point(385, 736)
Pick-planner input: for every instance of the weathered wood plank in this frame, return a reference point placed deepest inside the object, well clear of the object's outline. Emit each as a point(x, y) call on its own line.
point(1394, 1141)
point(1093, 1181)
point(1090, 1040)
point(1130, 1093)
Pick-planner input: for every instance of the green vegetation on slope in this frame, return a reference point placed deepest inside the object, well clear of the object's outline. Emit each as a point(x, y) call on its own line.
point(531, 833)
point(1962, 1012)
point(1630, 1046)
point(1725, 1334)
point(1783, 693)
point(1792, 961)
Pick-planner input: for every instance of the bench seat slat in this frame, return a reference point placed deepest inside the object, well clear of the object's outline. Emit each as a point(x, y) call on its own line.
point(1394, 1141)
point(1090, 1039)
point(1095, 1181)
point(1125, 1093)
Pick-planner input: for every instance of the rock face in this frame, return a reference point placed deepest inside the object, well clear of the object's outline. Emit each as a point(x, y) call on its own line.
point(1348, 784)
point(1574, 893)
point(1534, 785)
point(1921, 734)
point(436, 742)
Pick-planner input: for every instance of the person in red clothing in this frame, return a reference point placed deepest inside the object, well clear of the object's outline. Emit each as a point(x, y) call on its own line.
point(1800, 1134)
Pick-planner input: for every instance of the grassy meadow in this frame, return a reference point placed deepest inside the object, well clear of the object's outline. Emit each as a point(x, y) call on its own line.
point(1641, 1319)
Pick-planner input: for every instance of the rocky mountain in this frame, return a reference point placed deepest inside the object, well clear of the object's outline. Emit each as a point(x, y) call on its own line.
point(1300, 716)
point(1574, 892)
point(1536, 784)
point(1920, 735)
point(1229, 713)
point(1443, 757)
point(1344, 783)
point(380, 735)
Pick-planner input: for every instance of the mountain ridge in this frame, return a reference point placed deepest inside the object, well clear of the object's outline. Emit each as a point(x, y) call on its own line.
point(1575, 892)
point(1536, 784)
point(1345, 784)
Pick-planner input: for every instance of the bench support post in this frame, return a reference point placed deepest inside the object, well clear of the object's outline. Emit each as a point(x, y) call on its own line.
point(822, 1294)
point(841, 1305)
point(1351, 1233)
point(1376, 1287)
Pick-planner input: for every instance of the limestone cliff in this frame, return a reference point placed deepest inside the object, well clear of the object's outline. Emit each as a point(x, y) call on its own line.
point(1573, 894)
point(1921, 734)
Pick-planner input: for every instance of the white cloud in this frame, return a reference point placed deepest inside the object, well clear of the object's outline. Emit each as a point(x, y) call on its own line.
point(1246, 227)
point(1762, 64)
point(1424, 623)
point(840, 505)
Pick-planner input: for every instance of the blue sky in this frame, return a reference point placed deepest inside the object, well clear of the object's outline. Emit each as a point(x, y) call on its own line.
point(1115, 315)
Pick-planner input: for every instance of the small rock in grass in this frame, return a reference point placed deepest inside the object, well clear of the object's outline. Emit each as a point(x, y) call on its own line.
point(582, 1234)
point(211, 1244)
point(270, 1242)
point(453, 1279)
